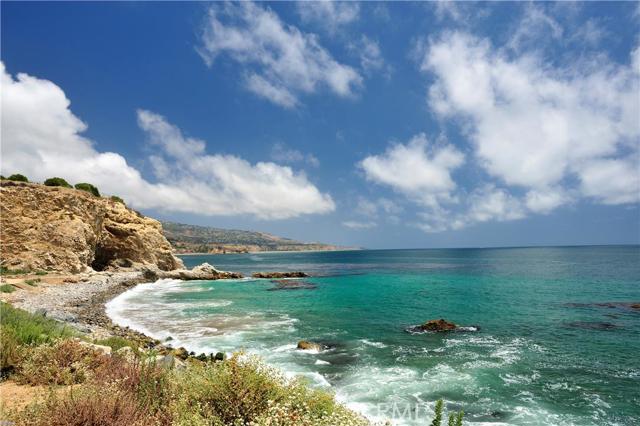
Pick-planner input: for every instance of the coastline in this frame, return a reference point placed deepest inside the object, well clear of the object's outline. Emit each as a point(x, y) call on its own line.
point(79, 301)
point(274, 251)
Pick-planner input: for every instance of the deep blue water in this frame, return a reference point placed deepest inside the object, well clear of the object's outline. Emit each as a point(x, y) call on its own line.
point(559, 343)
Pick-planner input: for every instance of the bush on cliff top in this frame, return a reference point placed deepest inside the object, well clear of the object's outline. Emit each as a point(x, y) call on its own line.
point(17, 177)
point(117, 199)
point(84, 186)
point(57, 181)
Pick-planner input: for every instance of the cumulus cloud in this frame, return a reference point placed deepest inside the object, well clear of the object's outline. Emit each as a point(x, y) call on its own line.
point(41, 137)
point(536, 127)
point(418, 169)
point(281, 62)
point(328, 15)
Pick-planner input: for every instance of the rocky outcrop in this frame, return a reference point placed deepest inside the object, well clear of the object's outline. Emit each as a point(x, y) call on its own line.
point(71, 231)
point(438, 326)
point(305, 345)
point(201, 272)
point(279, 275)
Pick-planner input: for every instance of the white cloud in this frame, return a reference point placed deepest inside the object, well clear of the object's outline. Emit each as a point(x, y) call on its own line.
point(533, 23)
point(537, 127)
point(42, 138)
point(370, 55)
point(486, 203)
point(329, 15)
point(283, 154)
point(282, 62)
point(374, 208)
point(419, 170)
point(545, 200)
point(359, 225)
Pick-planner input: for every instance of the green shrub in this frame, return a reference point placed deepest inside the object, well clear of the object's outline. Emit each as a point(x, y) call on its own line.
point(6, 271)
point(41, 272)
point(65, 362)
point(117, 199)
point(18, 178)
point(2, 177)
point(7, 288)
point(33, 282)
point(57, 181)
point(31, 329)
point(88, 187)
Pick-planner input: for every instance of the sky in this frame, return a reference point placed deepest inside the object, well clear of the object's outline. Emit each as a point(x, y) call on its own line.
point(380, 125)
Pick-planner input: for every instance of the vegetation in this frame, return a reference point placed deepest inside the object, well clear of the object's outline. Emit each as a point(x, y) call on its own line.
point(31, 329)
point(33, 282)
point(57, 181)
point(41, 272)
point(17, 177)
point(84, 186)
point(117, 199)
point(116, 342)
point(7, 288)
point(113, 390)
point(6, 271)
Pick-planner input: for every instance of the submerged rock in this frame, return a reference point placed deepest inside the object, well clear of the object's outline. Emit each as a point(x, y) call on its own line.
point(593, 325)
point(292, 285)
point(293, 274)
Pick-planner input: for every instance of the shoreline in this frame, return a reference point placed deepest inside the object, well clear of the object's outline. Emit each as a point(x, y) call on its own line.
point(79, 302)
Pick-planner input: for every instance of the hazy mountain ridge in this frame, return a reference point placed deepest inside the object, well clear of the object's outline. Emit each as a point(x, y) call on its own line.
point(204, 239)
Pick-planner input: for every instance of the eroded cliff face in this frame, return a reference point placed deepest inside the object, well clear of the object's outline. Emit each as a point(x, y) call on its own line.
point(67, 230)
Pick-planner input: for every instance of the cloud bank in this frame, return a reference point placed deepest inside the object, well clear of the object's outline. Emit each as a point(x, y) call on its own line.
point(41, 137)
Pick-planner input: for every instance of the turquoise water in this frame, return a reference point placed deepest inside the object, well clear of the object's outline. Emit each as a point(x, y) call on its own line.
point(559, 343)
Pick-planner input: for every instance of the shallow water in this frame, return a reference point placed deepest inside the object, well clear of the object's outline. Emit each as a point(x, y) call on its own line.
point(558, 343)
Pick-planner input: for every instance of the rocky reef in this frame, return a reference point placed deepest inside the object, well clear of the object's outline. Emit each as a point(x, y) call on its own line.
point(439, 326)
point(280, 275)
point(70, 231)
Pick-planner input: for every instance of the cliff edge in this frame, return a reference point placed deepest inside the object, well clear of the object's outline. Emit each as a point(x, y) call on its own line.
point(67, 230)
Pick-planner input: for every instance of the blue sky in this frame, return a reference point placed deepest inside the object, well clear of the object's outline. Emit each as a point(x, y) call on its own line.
point(372, 124)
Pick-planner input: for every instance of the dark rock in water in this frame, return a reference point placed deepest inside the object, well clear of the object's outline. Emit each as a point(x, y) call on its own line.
point(305, 345)
point(294, 274)
point(438, 326)
point(595, 325)
point(609, 305)
point(202, 357)
point(219, 356)
point(292, 285)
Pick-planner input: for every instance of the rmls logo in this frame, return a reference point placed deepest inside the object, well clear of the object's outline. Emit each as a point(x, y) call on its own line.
point(404, 411)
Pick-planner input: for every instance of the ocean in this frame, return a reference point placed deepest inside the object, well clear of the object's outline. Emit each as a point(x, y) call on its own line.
point(558, 340)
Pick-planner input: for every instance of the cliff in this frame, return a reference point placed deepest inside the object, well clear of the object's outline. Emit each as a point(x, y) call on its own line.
point(67, 230)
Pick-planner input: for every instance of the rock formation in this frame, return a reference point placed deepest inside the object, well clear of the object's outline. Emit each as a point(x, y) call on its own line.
point(200, 272)
point(295, 274)
point(66, 230)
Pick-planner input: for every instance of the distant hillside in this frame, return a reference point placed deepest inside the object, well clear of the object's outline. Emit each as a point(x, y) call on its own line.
point(204, 239)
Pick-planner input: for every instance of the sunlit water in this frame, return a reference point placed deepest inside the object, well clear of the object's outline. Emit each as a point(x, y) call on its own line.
point(559, 343)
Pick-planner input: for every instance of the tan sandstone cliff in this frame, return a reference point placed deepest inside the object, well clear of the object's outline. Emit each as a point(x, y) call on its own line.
point(67, 230)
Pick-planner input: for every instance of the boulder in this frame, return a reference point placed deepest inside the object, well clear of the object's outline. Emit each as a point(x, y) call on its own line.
point(293, 274)
point(200, 272)
point(305, 345)
point(181, 353)
point(219, 356)
point(438, 325)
